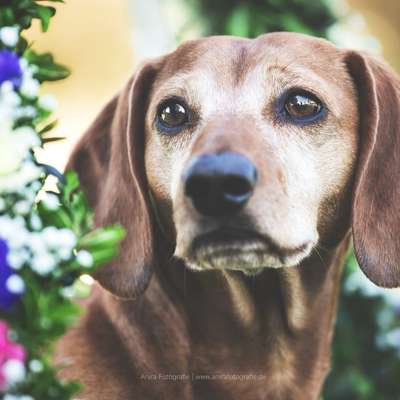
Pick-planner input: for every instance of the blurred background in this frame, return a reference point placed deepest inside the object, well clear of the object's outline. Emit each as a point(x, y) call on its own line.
point(102, 41)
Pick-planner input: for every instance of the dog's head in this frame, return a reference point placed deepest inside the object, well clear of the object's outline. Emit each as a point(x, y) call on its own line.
point(248, 154)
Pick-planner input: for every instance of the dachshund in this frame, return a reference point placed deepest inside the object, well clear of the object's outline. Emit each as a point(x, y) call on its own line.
point(242, 170)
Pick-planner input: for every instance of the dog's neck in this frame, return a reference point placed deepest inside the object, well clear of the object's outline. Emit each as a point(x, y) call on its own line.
point(288, 295)
point(277, 325)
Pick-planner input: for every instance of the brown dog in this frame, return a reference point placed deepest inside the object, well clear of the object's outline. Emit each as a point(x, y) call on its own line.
point(229, 161)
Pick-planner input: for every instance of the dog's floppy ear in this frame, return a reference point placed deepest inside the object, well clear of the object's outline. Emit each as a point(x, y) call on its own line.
point(109, 160)
point(376, 197)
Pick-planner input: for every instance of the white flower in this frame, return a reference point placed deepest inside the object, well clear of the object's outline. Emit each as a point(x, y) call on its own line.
point(50, 237)
point(67, 292)
point(36, 366)
point(22, 207)
point(36, 222)
point(14, 231)
point(29, 87)
point(15, 284)
point(23, 63)
point(50, 201)
point(37, 244)
point(13, 371)
point(84, 258)
point(25, 112)
point(8, 96)
point(48, 102)
point(16, 259)
point(67, 238)
point(64, 253)
point(14, 147)
point(43, 263)
point(6, 87)
point(9, 35)
point(28, 172)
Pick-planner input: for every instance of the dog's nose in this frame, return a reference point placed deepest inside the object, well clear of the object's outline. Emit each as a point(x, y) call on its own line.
point(220, 184)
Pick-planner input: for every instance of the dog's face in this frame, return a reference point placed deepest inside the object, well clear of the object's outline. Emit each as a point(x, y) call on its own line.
point(249, 154)
point(250, 148)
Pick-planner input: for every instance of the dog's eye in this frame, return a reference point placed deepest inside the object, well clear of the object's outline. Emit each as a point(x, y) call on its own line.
point(302, 106)
point(172, 115)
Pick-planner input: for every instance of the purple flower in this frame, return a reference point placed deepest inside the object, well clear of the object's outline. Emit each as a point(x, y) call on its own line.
point(7, 297)
point(10, 69)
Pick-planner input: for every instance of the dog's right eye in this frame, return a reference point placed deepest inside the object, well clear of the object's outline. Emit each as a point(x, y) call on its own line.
point(172, 116)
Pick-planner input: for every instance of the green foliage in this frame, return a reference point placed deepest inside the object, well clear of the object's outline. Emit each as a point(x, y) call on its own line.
point(46, 311)
point(22, 12)
point(253, 18)
point(365, 364)
point(56, 228)
point(48, 69)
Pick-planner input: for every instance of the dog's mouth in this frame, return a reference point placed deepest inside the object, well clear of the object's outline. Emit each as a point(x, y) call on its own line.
point(242, 249)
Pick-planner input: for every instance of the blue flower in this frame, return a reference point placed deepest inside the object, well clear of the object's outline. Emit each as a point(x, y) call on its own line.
point(7, 298)
point(10, 69)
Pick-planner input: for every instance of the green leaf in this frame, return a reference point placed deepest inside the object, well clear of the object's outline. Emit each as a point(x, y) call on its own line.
point(103, 237)
point(101, 257)
point(45, 13)
point(70, 185)
point(7, 16)
point(48, 69)
point(51, 73)
point(53, 139)
point(48, 127)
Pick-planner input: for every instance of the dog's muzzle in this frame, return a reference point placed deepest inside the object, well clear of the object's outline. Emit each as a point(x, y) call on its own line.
point(219, 185)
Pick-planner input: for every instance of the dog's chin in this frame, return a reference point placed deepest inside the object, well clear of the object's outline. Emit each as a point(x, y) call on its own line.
point(249, 255)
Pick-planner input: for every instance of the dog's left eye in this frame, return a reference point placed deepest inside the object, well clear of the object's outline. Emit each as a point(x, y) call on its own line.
point(172, 115)
point(302, 106)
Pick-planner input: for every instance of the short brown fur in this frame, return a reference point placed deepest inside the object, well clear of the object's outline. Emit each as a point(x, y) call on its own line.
point(164, 331)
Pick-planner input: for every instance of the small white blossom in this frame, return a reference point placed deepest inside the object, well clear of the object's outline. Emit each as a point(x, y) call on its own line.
point(29, 194)
point(16, 259)
point(64, 253)
point(14, 230)
point(28, 172)
point(15, 284)
point(16, 168)
point(36, 222)
point(43, 263)
point(9, 35)
point(50, 237)
point(48, 102)
point(8, 97)
point(36, 186)
point(50, 201)
point(84, 258)
point(22, 207)
point(23, 63)
point(13, 371)
point(36, 366)
point(6, 87)
point(25, 112)
point(29, 87)
point(14, 147)
point(37, 245)
point(67, 292)
point(67, 238)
